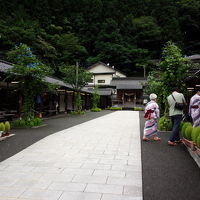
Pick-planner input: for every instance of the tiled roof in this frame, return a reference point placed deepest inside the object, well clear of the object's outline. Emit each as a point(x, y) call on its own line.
point(56, 81)
point(4, 66)
point(101, 63)
point(101, 91)
point(129, 83)
point(194, 57)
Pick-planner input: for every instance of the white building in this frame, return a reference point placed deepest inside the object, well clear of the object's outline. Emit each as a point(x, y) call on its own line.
point(122, 90)
point(103, 74)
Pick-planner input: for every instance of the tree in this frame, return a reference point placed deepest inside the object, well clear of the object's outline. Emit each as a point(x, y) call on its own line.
point(77, 77)
point(147, 34)
point(171, 72)
point(31, 72)
point(95, 98)
point(174, 69)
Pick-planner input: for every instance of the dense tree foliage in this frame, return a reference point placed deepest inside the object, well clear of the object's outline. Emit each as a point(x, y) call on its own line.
point(171, 74)
point(31, 72)
point(124, 33)
point(77, 77)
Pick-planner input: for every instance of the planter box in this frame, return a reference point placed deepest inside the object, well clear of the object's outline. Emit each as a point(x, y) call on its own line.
point(198, 151)
point(5, 137)
point(189, 144)
point(193, 150)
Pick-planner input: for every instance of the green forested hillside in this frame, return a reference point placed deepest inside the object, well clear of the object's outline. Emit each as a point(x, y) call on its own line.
point(124, 33)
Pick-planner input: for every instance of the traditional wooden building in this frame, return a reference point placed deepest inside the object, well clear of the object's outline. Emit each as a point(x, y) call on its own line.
point(62, 100)
point(129, 91)
point(123, 91)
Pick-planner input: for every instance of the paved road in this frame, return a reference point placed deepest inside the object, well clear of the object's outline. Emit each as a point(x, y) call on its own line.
point(96, 160)
point(26, 137)
point(169, 173)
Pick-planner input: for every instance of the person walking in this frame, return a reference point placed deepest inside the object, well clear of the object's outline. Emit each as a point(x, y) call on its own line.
point(176, 114)
point(194, 108)
point(152, 114)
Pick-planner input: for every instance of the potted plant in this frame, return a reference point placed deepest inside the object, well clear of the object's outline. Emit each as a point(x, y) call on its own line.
point(187, 135)
point(196, 139)
point(198, 146)
point(2, 129)
point(7, 128)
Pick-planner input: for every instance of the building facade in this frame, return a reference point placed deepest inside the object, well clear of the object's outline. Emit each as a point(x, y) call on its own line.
point(124, 91)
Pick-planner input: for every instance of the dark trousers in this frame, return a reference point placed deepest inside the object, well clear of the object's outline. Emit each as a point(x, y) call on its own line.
point(176, 120)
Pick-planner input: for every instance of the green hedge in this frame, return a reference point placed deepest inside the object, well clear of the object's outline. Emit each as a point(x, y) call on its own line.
point(22, 123)
point(81, 112)
point(138, 109)
point(165, 124)
point(115, 108)
point(198, 141)
point(95, 109)
point(183, 128)
point(195, 134)
point(188, 132)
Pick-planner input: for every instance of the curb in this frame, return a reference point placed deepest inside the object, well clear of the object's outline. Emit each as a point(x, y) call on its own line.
point(194, 156)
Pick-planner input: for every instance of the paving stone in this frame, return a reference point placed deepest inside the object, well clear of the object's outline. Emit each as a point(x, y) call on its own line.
point(133, 191)
point(113, 173)
point(90, 179)
point(119, 197)
point(102, 188)
point(112, 162)
point(65, 186)
point(80, 196)
point(78, 171)
point(125, 181)
point(96, 166)
point(7, 192)
point(57, 177)
point(41, 194)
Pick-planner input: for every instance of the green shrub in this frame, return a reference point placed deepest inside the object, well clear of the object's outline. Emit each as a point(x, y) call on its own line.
point(22, 123)
point(188, 132)
point(74, 113)
point(96, 109)
point(81, 112)
point(7, 126)
point(165, 124)
point(198, 142)
point(184, 126)
point(138, 109)
point(16, 123)
point(19, 123)
point(95, 98)
point(115, 108)
point(37, 121)
point(30, 123)
point(2, 126)
point(195, 134)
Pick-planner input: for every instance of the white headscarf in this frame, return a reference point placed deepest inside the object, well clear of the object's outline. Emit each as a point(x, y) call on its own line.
point(152, 96)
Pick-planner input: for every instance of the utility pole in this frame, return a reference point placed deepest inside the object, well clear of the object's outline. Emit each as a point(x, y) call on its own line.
point(76, 74)
point(144, 66)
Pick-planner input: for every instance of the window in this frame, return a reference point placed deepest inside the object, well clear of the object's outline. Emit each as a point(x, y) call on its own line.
point(101, 81)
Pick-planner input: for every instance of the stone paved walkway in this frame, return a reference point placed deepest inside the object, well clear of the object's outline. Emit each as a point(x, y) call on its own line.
point(97, 160)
